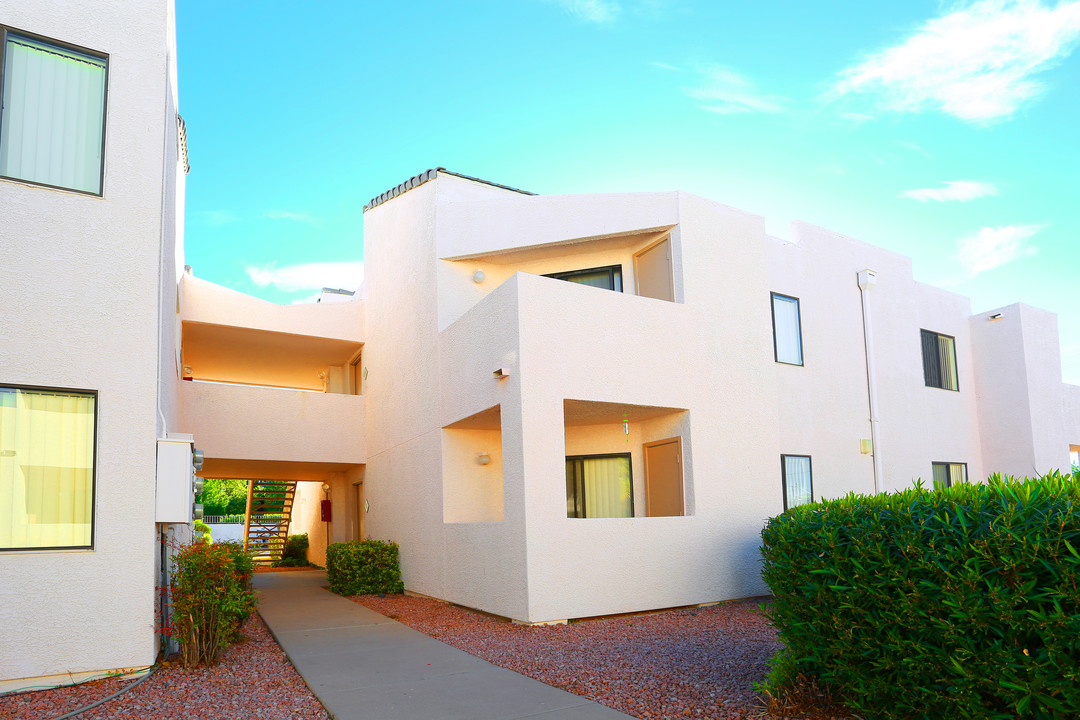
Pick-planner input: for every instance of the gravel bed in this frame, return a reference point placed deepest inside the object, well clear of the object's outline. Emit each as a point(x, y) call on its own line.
point(254, 680)
point(696, 663)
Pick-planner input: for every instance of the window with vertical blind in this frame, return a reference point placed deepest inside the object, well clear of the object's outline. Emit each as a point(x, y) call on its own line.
point(949, 474)
point(608, 278)
point(797, 480)
point(52, 122)
point(46, 468)
point(939, 360)
point(599, 486)
point(787, 330)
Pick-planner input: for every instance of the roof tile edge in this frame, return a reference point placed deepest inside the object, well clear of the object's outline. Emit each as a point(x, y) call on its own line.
point(418, 180)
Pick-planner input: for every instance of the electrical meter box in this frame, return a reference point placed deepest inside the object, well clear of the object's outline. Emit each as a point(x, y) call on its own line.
point(176, 481)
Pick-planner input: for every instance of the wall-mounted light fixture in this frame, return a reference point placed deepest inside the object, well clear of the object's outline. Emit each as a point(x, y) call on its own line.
point(478, 276)
point(995, 316)
point(866, 447)
point(326, 488)
point(483, 459)
point(501, 373)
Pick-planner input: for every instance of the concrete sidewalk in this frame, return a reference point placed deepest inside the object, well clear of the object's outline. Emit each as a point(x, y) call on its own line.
point(364, 666)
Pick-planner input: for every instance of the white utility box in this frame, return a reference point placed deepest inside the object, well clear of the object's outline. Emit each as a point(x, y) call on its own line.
point(175, 479)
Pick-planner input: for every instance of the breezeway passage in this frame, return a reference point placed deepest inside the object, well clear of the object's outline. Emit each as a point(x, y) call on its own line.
point(364, 666)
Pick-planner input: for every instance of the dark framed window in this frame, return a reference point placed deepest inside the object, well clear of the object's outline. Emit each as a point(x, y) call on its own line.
point(939, 360)
point(787, 330)
point(949, 474)
point(599, 486)
point(47, 465)
point(608, 278)
point(52, 121)
point(797, 478)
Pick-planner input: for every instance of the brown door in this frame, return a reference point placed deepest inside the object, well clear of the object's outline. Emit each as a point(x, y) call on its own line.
point(664, 478)
point(652, 271)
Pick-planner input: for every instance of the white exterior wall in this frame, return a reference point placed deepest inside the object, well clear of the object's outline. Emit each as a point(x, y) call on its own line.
point(707, 358)
point(80, 278)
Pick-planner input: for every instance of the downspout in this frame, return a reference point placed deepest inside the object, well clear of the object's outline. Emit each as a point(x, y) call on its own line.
point(867, 279)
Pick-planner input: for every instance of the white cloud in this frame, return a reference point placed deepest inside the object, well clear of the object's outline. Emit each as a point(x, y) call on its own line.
point(664, 65)
point(993, 247)
point(976, 63)
point(601, 12)
point(724, 91)
point(308, 276)
point(296, 217)
point(958, 190)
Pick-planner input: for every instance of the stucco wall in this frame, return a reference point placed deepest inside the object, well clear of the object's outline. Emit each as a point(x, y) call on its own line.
point(79, 278)
point(258, 423)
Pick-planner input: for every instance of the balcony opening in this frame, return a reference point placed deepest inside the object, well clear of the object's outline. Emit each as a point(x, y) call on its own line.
point(248, 356)
point(472, 468)
point(626, 461)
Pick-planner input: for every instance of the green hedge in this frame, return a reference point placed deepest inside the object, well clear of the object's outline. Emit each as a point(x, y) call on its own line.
point(363, 567)
point(958, 603)
point(294, 554)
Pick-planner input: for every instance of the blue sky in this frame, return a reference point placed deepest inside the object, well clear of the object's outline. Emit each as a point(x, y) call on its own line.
point(943, 131)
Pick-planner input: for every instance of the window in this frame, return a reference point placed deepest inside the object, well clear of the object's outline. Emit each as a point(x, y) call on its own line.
point(52, 125)
point(797, 480)
point(939, 360)
point(609, 278)
point(46, 468)
point(599, 486)
point(787, 330)
point(949, 474)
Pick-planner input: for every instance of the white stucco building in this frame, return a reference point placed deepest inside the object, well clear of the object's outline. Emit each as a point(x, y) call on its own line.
point(91, 193)
point(559, 406)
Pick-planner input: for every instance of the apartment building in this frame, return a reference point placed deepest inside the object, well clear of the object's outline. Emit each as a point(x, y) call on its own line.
point(559, 406)
point(91, 192)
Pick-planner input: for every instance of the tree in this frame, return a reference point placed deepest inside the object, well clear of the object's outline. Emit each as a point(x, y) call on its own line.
point(223, 497)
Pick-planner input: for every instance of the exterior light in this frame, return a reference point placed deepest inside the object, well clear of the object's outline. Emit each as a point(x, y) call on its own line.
point(478, 276)
point(484, 459)
point(995, 316)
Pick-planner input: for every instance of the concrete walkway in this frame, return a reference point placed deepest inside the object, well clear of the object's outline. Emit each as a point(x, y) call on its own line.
point(364, 666)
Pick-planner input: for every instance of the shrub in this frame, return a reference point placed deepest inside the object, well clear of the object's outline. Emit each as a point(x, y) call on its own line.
point(957, 603)
point(211, 593)
point(294, 554)
point(202, 532)
point(363, 567)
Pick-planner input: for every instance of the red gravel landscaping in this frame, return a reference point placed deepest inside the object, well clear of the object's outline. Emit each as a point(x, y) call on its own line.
point(254, 680)
point(696, 663)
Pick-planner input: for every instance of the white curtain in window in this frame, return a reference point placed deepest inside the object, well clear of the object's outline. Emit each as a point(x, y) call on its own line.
point(797, 481)
point(46, 468)
point(608, 488)
point(53, 115)
point(786, 330)
point(947, 356)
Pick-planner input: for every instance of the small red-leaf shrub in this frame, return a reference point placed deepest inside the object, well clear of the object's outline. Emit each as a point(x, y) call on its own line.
point(211, 589)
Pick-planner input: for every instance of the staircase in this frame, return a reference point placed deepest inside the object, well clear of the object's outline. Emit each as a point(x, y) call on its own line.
point(269, 510)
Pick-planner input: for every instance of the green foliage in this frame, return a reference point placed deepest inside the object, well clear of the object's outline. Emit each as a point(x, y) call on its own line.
point(957, 603)
point(294, 554)
point(363, 567)
point(223, 497)
point(202, 532)
point(211, 598)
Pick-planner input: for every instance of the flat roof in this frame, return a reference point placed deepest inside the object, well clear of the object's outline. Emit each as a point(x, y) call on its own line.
point(418, 180)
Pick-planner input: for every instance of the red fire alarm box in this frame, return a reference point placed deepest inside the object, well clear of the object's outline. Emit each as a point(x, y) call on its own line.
point(325, 507)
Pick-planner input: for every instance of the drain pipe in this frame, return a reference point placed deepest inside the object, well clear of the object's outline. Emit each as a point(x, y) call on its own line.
point(867, 279)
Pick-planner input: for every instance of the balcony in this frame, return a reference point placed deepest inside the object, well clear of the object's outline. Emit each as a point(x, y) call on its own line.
point(247, 431)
